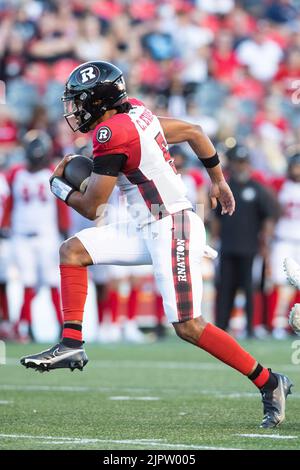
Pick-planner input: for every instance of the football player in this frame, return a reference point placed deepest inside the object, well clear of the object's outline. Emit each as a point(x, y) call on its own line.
point(130, 149)
point(292, 270)
point(286, 244)
point(4, 313)
point(34, 217)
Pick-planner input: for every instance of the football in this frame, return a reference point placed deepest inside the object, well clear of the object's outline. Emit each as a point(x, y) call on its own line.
point(77, 172)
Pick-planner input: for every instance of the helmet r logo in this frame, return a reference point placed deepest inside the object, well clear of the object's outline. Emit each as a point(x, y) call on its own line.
point(87, 74)
point(103, 135)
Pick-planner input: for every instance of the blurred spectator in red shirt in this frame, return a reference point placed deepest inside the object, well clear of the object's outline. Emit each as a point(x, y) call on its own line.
point(224, 61)
point(288, 72)
point(245, 86)
point(8, 130)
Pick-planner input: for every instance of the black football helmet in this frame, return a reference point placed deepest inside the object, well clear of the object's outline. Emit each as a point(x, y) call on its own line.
point(37, 146)
point(294, 160)
point(293, 170)
point(91, 90)
point(238, 153)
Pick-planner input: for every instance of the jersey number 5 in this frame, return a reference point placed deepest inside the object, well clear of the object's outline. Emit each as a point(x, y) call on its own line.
point(160, 140)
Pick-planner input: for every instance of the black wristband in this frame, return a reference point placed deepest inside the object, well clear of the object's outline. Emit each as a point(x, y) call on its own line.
point(210, 162)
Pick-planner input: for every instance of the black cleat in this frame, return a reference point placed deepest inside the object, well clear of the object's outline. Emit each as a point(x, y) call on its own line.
point(57, 357)
point(274, 402)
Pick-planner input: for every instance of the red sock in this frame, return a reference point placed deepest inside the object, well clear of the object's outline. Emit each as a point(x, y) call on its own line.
point(74, 284)
point(295, 300)
point(159, 309)
point(3, 303)
point(258, 309)
point(222, 346)
point(25, 315)
point(272, 301)
point(113, 304)
point(132, 304)
point(260, 376)
point(56, 303)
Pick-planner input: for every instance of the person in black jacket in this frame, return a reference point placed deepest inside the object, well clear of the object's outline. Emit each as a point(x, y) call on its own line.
point(242, 236)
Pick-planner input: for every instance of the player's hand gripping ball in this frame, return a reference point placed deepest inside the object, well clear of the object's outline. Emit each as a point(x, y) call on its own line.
point(78, 171)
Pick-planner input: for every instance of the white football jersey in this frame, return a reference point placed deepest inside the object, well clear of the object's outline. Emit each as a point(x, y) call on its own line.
point(34, 209)
point(288, 226)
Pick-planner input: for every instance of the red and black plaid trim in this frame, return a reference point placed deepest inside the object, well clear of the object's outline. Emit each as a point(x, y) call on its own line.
point(181, 265)
point(149, 193)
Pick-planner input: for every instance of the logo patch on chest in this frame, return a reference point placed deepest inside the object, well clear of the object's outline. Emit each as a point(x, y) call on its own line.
point(103, 135)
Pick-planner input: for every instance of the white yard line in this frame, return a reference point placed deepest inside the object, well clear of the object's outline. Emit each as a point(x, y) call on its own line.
point(47, 388)
point(84, 441)
point(5, 402)
point(12, 361)
point(80, 389)
point(71, 389)
point(127, 398)
point(266, 436)
point(108, 364)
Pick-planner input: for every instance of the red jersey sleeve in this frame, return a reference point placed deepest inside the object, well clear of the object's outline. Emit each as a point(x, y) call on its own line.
point(118, 136)
point(259, 177)
point(111, 137)
point(277, 183)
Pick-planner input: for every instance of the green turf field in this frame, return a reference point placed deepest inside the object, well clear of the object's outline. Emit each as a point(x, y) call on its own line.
point(166, 395)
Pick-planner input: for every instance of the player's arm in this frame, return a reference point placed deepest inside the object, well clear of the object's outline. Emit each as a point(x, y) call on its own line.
point(101, 184)
point(177, 131)
point(91, 204)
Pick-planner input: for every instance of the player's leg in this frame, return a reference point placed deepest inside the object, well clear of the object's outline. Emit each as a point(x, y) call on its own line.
point(4, 313)
point(180, 281)
point(117, 274)
point(280, 250)
point(24, 256)
point(69, 352)
point(104, 245)
point(132, 333)
point(101, 277)
point(97, 245)
point(132, 300)
point(101, 301)
point(6, 328)
point(47, 251)
point(246, 283)
point(227, 287)
point(292, 270)
point(160, 328)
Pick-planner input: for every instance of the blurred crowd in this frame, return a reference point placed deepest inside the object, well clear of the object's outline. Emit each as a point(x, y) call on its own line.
point(232, 66)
